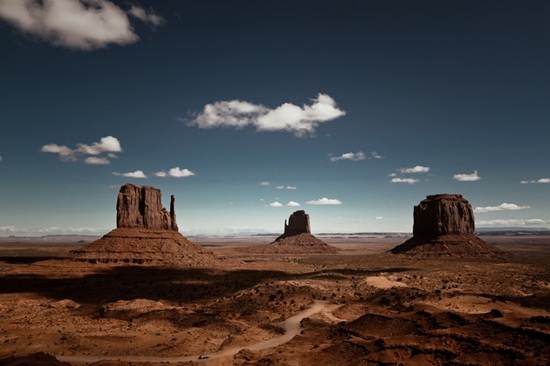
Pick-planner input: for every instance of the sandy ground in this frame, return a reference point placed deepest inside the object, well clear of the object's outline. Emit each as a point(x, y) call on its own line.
point(360, 306)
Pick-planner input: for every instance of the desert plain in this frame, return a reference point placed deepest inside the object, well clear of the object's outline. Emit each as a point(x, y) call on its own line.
point(358, 306)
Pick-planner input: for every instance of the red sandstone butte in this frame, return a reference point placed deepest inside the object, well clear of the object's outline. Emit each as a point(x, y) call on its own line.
point(141, 207)
point(297, 238)
point(146, 234)
point(444, 225)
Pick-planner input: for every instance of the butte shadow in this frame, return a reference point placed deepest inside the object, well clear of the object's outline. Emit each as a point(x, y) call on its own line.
point(444, 226)
point(146, 234)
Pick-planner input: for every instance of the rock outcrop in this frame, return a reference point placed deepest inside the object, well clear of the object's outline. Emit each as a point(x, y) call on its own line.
point(298, 223)
point(146, 234)
point(444, 225)
point(297, 238)
point(141, 207)
point(443, 214)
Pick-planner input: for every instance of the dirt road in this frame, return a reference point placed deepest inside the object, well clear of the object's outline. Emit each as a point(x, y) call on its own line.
point(291, 326)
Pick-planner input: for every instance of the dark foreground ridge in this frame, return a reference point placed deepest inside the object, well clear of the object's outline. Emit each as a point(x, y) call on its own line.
point(444, 226)
point(33, 359)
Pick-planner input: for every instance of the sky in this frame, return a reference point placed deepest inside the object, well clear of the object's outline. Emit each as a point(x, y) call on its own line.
point(249, 110)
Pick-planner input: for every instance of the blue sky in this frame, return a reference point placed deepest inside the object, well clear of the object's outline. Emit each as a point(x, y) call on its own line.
point(244, 92)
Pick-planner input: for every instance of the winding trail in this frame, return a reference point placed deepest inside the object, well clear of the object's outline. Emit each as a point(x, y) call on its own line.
point(291, 326)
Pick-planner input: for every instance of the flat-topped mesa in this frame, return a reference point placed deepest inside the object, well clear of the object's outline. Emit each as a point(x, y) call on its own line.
point(298, 223)
point(141, 207)
point(443, 214)
point(444, 226)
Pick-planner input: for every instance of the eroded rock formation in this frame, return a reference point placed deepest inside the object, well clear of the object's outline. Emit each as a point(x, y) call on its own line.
point(443, 214)
point(444, 225)
point(146, 234)
point(141, 207)
point(297, 237)
point(298, 223)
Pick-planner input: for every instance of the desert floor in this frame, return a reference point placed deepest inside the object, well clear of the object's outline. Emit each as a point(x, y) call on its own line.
point(361, 306)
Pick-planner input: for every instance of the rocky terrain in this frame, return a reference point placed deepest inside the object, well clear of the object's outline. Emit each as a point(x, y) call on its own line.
point(296, 301)
point(444, 226)
point(360, 306)
point(380, 309)
point(141, 246)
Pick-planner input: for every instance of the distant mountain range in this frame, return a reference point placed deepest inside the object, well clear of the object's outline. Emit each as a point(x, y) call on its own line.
point(483, 231)
point(513, 231)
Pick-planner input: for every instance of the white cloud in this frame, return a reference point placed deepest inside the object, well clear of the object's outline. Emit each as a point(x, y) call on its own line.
point(177, 172)
point(149, 17)
point(94, 160)
point(512, 222)
point(289, 117)
point(357, 156)
point(293, 204)
point(286, 187)
point(415, 169)
point(79, 24)
point(392, 175)
point(276, 204)
point(64, 152)
point(135, 174)
point(467, 177)
point(502, 207)
point(540, 181)
point(379, 218)
point(404, 180)
point(7, 228)
point(264, 183)
point(325, 202)
point(107, 144)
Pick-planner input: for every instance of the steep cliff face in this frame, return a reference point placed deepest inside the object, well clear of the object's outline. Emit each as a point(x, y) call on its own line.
point(298, 223)
point(443, 214)
point(444, 226)
point(141, 207)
